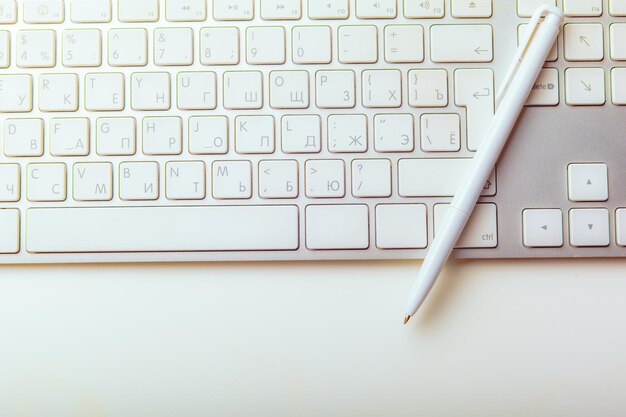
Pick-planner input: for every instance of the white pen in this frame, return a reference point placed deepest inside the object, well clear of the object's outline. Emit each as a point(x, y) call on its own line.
point(521, 76)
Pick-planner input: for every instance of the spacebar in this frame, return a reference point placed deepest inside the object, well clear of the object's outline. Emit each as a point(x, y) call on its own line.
point(161, 229)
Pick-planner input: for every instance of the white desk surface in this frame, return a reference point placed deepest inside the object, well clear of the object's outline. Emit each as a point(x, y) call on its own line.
point(496, 338)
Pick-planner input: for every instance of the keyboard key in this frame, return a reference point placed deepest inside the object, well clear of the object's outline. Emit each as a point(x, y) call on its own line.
point(278, 179)
point(138, 10)
point(281, 9)
point(445, 177)
point(618, 41)
point(162, 135)
point(481, 230)
point(265, 45)
point(243, 90)
point(8, 11)
point(441, 132)
point(337, 227)
point(358, 44)
point(233, 9)
point(9, 182)
point(617, 7)
point(328, 9)
point(36, 48)
point(104, 91)
point(401, 226)
point(5, 49)
point(376, 9)
point(583, 42)
point(525, 8)
point(173, 46)
point(311, 45)
point(543, 228)
point(46, 182)
point(197, 90)
point(419, 9)
point(474, 91)
point(116, 136)
point(93, 11)
point(132, 229)
point(219, 46)
point(545, 91)
point(16, 93)
point(69, 136)
point(621, 226)
point(347, 133)
point(394, 133)
point(582, 8)
point(10, 226)
point(461, 43)
point(232, 180)
point(150, 91)
point(128, 47)
point(404, 43)
point(92, 181)
point(44, 11)
point(335, 89)
point(589, 227)
point(428, 88)
point(58, 92)
point(471, 8)
point(186, 10)
point(325, 178)
point(371, 178)
point(588, 182)
point(185, 180)
point(289, 89)
point(208, 135)
point(618, 86)
point(382, 88)
point(554, 52)
point(254, 134)
point(301, 133)
point(139, 181)
point(23, 137)
point(82, 48)
point(585, 87)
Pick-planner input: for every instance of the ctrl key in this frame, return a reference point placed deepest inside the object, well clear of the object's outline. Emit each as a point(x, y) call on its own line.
point(481, 230)
point(9, 231)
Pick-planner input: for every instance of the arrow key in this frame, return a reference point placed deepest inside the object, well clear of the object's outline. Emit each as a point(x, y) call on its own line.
point(542, 228)
point(588, 182)
point(589, 227)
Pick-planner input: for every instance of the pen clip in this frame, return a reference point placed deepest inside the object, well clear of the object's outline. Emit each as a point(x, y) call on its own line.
point(529, 34)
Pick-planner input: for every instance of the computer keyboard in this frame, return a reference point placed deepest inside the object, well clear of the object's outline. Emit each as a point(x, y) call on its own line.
point(191, 130)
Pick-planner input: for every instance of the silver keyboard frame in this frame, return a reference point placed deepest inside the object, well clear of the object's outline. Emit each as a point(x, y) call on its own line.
point(532, 172)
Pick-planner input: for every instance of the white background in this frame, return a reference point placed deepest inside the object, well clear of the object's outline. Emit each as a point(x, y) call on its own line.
point(496, 338)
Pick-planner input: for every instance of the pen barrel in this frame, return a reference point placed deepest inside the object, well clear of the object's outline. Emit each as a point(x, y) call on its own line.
point(507, 114)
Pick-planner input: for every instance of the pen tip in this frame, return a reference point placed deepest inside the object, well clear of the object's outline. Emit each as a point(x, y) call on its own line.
point(406, 319)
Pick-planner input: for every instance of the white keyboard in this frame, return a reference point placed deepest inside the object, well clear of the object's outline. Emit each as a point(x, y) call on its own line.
point(190, 130)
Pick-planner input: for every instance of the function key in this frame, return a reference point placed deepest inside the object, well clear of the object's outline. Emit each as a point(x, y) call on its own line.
point(44, 11)
point(472, 8)
point(376, 9)
point(617, 7)
point(94, 11)
point(138, 10)
point(185, 10)
point(8, 11)
point(281, 9)
point(525, 8)
point(424, 9)
point(329, 9)
point(582, 8)
point(233, 9)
